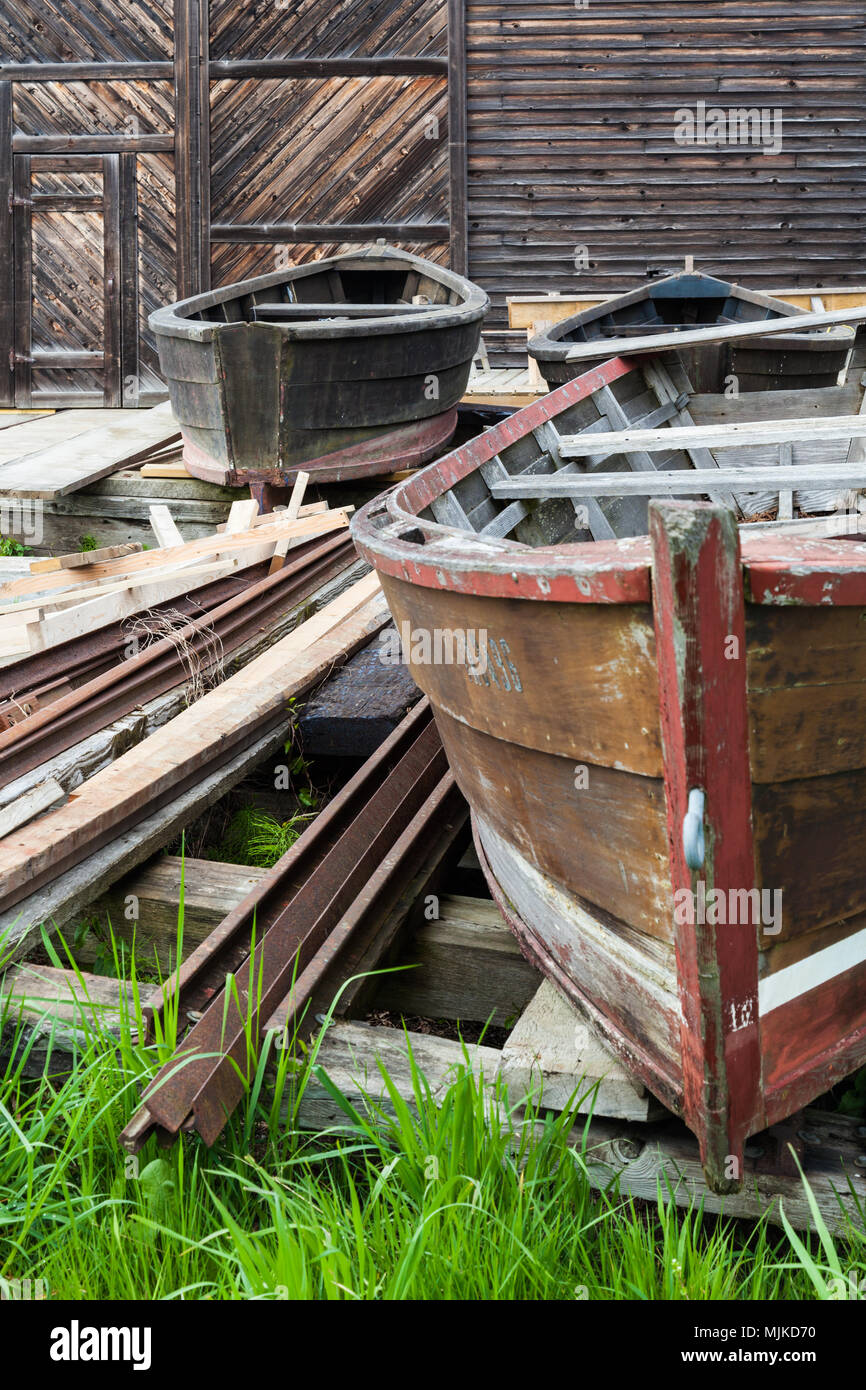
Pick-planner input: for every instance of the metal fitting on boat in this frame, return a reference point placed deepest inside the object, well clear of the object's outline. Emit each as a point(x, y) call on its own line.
point(693, 830)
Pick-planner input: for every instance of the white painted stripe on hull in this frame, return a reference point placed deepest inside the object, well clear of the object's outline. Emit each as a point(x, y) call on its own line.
point(794, 980)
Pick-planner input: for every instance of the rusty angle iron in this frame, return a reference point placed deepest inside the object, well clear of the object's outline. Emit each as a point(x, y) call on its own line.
point(331, 907)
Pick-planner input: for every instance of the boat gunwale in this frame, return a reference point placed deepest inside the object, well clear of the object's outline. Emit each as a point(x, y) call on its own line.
point(174, 321)
point(779, 570)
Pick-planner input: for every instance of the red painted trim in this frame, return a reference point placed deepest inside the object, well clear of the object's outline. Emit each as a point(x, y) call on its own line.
point(699, 612)
point(811, 572)
point(814, 1041)
point(415, 494)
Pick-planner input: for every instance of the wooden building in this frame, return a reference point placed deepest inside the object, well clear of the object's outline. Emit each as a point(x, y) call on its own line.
point(151, 147)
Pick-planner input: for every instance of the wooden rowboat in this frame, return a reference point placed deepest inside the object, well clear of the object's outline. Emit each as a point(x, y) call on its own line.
point(663, 742)
point(343, 368)
point(693, 302)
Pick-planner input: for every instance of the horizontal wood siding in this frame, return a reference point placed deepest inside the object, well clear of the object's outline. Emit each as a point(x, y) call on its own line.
point(571, 122)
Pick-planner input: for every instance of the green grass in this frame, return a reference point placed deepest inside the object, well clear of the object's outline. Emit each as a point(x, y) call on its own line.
point(453, 1199)
point(257, 838)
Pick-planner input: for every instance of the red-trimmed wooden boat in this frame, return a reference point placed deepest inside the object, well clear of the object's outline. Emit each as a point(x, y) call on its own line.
point(345, 368)
point(703, 306)
point(665, 733)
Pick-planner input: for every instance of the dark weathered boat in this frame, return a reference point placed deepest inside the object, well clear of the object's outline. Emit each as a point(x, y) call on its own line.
point(694, 302)
point(344, 368)
point(662, 738)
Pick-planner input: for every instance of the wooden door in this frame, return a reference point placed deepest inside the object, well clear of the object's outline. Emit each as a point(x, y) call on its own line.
point(73, 233)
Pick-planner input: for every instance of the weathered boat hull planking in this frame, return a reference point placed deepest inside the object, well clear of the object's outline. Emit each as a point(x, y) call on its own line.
point(341, 390)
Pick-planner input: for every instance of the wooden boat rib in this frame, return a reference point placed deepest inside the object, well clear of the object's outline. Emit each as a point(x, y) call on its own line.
point(620, 676)
point(344, 368)
point(698, 308)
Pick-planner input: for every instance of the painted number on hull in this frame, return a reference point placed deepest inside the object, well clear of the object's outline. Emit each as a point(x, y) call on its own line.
point(498, 669)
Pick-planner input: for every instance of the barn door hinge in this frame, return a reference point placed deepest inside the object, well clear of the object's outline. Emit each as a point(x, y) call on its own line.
point(16, 202)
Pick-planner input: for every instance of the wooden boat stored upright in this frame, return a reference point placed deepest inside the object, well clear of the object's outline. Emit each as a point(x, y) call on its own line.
point(344, 368)
point(662, 742)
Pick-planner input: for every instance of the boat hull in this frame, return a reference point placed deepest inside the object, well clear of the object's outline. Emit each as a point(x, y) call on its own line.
point(257, 401)
point(617, 677)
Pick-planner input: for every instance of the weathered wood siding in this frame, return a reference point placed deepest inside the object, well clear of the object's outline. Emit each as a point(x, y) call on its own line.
point(540, 132)
point(572, 155)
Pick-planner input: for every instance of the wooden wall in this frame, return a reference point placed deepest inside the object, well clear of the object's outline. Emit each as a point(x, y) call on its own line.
point(149, 148)
point(570, 142)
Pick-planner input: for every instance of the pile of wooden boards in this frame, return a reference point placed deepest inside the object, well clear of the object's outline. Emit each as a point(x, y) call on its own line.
point(70, 596)
point(54, 866)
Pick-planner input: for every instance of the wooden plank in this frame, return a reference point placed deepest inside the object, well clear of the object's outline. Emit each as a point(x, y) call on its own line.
point(552, 1055)
point(27, 807)
point(82, 558)
point(678, 481)
point(111, 277)
point(457, 154)
point(729, 436)
point(22, 236)
point(292, 512)
point(129, 278)
point(211, 546)
point(63, 468)
point(164, 527)
point(802, 323)
point(242, 515)
point(699, 614)
point(164, 470)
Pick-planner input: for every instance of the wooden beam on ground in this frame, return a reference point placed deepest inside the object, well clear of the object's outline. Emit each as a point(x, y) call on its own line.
point(552, 1054)
point(31, 805)
point(70, 465)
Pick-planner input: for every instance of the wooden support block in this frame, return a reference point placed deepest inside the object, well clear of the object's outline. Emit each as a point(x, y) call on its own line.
point(363, 702)
point(164, 470)
point(55, 1012)
point(348, 1055)
point(163, 525)
point(552, 1055)
point(31, 805)
point(465, 965)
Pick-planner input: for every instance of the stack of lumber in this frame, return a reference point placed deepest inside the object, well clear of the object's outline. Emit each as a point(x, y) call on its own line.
point(69, 596)
point(57, 863)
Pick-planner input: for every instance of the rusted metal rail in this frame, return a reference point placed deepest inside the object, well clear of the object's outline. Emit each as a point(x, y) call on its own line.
point(165, 663)
point(329, 909)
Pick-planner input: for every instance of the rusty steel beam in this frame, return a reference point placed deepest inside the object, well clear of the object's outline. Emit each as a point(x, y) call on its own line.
point(164, 664)
point(334, 902)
